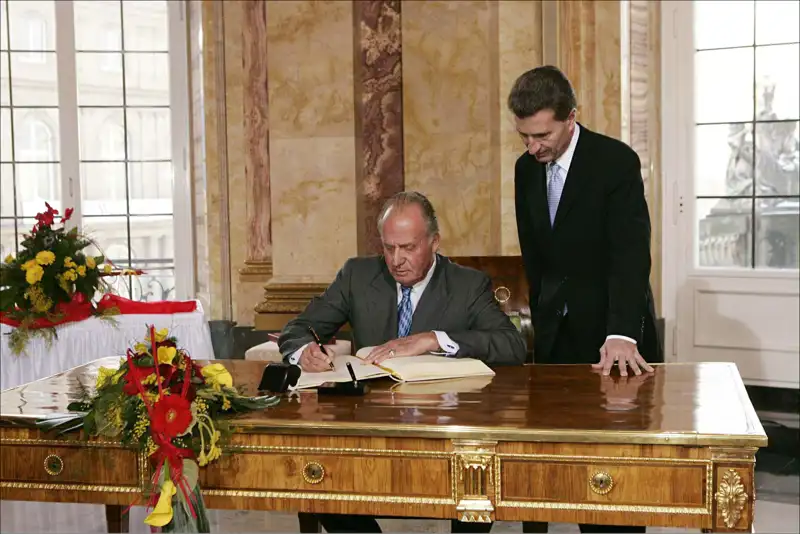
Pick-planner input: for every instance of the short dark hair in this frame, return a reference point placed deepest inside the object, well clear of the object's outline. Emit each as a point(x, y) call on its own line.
point(405, 198)
point(542, 88)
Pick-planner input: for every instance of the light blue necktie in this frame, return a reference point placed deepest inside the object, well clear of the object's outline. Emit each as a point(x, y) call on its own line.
point(555, 185)
point(404, 313)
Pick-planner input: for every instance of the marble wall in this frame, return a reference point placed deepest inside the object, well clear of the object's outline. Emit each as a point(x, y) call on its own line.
point(308, 114)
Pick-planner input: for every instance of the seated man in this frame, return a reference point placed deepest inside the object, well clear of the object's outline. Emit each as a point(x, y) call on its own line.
point(408, 302)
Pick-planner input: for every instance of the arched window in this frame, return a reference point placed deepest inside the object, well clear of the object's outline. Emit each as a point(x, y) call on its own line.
point(112, 141)
point(33, 38)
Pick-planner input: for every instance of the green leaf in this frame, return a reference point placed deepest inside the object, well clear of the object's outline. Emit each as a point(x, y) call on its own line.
point(191, 472)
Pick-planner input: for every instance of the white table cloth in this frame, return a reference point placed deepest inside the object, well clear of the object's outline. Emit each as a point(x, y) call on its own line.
point(94, 338)
point(79, 343)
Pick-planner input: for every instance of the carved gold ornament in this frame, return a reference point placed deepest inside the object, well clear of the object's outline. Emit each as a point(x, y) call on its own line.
point(601, 483)
point(313, 473)
point(502, 294)
point(53, 465)
point(731, 497)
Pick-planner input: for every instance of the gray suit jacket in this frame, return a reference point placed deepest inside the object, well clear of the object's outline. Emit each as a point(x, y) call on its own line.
point(458, 301)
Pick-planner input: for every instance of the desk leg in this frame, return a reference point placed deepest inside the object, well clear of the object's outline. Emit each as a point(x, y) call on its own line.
point(309, 523)
point(116, 521)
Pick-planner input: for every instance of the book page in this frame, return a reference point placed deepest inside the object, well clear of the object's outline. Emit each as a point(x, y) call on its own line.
point(431, 367)
point(363, 371)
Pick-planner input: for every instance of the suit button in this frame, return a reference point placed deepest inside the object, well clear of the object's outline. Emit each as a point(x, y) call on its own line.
point(558, 313)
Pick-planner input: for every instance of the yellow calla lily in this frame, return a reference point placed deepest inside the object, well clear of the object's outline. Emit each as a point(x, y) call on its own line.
point(162, 513)
point(166, 354)
point(216, 373)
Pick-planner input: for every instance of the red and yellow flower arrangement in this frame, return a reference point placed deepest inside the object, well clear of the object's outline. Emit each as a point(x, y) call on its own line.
point(163, 403)
point(52, 280)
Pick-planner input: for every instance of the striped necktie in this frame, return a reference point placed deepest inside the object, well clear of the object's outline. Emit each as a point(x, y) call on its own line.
point(555, 185)
point(404, 313)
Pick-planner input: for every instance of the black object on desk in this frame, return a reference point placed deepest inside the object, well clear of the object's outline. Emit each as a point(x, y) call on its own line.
point(318, 341)
point(279, 377)
point(354, 388)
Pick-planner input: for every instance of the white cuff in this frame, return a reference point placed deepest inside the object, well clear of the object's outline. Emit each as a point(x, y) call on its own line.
point(294, 358)
point(446, 344)
point(626, 338)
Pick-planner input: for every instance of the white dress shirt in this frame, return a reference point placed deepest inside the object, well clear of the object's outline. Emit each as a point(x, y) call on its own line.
point(564, 161)
point(447, 345)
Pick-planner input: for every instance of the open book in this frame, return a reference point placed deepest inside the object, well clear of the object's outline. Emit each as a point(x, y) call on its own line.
point(408, 369)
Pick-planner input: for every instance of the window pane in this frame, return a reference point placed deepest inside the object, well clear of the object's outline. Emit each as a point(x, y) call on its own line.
point(6, 190)
point(147, 79)
point(778, 158)
point(4, 81)
point(35, 79)
point(32, 24)
point(7, 238)
point(99, 79)
point(37, 183)
point(720, 24)
point(149, 134)
point(5, 135)
point(724, 85)
point(97, 25)
point(158, 283)
point(145, 25)
point(724, 232)
point(778, 226)
point(150, 188)
point(36, 136)
point(103, 189)
point(778, 78)
point(3, 27)
point(111, 234)
point(724, 160)
point(152, 250)
point(102, 134)
point(777, 22)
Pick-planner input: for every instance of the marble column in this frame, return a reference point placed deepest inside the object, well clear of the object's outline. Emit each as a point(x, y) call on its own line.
point(378, 99)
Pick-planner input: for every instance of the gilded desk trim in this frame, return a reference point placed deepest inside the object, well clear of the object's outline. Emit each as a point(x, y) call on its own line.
point(707, 509)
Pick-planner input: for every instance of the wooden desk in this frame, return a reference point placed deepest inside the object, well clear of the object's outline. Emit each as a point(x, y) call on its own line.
point(540, 443)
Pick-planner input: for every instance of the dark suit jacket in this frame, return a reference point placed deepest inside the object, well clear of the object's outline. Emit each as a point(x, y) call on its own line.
point(458, 301)
point(596, 257)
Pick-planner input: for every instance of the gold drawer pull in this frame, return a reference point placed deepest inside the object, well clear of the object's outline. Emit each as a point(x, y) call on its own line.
point(53, 465)
point(313, 473)
point(601, 483)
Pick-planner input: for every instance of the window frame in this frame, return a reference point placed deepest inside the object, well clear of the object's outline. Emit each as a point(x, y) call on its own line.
point(68, 133)
point(678, 149)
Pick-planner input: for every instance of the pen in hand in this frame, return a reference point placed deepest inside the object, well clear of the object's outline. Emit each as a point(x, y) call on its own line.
point(321, 347)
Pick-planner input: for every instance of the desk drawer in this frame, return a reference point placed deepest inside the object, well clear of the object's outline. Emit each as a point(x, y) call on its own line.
point(360, 473)
point(69, 465)
point(645, 483)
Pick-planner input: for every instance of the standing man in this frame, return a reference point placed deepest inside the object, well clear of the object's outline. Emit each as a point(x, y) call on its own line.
point(584, 232)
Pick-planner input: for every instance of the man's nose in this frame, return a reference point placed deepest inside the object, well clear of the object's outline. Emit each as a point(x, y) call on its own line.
point(533, 147)
point(397, 257)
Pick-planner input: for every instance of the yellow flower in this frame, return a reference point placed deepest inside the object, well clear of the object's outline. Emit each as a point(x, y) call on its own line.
point(162, 513)
point(81, 270)
point(141, 347)
point(69, 263)
point(216, 375)
point(70, 275)
point(161, 335)
point(104, 375)
point(166, 354)
point(90, 263)
point(107, 268)
point(63, 283)
point(30, 264)
point(9, 259)
point(45, 257)
point(34, 274)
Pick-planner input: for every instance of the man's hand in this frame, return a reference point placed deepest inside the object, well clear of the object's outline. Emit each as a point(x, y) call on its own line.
point(623, 353)
point(405, 346)
point(313, 360)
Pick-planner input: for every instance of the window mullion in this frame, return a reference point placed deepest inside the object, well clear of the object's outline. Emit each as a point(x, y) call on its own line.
point(68, 109)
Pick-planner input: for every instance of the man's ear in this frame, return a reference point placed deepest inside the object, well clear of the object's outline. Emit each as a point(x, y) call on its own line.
point(435, 243)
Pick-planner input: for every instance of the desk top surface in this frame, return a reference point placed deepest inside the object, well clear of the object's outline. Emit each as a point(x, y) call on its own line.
point(686, 404)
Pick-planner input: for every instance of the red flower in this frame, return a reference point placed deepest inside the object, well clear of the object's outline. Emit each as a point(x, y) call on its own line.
point(130, 387)
point(171, 416)
point(67, 215)
point(177, 387)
